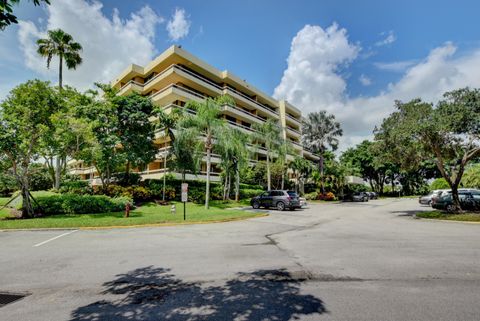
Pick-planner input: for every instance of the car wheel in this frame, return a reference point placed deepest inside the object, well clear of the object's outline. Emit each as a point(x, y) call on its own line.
point(450, 208)
point(280, 206)
point(429, 203)
point(256, 205)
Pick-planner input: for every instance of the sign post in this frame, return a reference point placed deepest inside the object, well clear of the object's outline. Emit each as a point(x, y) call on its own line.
point(184, 199)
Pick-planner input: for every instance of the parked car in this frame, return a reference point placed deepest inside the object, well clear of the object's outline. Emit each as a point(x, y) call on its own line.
point(372, 195)
point(303, 202)
point(436, 196)
point(357, 197)
point(278, 199)
point(469, 200)
point(427, 199)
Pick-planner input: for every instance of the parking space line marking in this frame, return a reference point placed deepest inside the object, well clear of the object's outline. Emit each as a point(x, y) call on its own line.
point(54, 238)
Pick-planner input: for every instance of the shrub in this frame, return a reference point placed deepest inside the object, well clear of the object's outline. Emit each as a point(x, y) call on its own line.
point(327, 196)
point(311, 196)
point(76, 187)
point(249, 193)
point(125, 180)
point(80, 204)
point(439, 183)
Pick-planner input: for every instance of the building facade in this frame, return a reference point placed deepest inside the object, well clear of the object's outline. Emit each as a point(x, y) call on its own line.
point(175, 77)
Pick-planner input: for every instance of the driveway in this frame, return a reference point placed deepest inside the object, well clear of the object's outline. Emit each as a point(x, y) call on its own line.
point(348, 261)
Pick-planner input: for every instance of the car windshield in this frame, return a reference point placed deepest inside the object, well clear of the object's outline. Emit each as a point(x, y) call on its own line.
point(292, 194)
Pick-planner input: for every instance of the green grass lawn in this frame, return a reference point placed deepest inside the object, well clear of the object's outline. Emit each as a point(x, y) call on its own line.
point(439, 215)
point(150, 213)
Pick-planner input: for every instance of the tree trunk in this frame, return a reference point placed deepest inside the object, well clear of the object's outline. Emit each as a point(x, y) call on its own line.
point(60, 70)
point(225, 186)
point(58, 172)
point(207, 189)
point(27, 208)
point(237, 183)
point(229, 187)
point(164, 175)
point(320, 169)
point(269, 179)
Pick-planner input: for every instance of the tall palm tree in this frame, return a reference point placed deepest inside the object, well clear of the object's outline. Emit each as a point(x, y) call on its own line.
point(208, 123)
point(234, 153)
point(268, 133)
point(166, 123)
point(320, 132)
point(61, 44)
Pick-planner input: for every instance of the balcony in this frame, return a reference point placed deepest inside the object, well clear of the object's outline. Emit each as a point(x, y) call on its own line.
point(129, 87)
point(244, 98)
point(296, 121)
point(293, 132)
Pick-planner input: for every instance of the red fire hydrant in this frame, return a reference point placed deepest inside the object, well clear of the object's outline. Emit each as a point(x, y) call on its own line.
point(127, 209)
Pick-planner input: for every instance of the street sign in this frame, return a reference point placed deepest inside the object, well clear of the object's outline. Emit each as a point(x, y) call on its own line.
point(184, 192)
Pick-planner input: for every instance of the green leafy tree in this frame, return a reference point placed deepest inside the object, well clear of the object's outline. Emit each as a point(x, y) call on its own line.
point(208, 123)
point(68, 135)
point(135, 130)
point(366, 162)
point(449, 134)
point(121, 130)
point(320, 132)
point(7, 17)
point(268, 134)
point(25, 117)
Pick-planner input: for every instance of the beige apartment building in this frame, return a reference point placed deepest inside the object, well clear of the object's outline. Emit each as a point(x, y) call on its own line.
point(175, 77)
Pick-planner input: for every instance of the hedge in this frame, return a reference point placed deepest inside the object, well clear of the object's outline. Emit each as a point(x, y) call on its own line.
point(80, 204)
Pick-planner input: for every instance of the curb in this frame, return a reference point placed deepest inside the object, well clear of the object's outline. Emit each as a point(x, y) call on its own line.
point(446, 221)
point(86, 228)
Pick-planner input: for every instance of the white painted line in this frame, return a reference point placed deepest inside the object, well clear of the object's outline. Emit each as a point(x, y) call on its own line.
point(54, 238)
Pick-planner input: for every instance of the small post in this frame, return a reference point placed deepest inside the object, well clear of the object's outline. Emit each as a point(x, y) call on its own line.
point(127, 209)
point(184, 199)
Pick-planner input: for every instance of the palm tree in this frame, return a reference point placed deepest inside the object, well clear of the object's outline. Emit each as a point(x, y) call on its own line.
point(166, 123)
point(186, 151)
point(301, 168)
point(320, 132)
point(208, 123)
point(269, 134)
point(234, 153)
point(61, 44)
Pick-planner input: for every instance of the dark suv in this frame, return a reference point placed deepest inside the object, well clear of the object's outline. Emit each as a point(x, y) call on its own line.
point(279, 199)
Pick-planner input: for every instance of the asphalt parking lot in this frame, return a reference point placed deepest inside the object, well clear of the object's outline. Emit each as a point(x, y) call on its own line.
point(348, 261)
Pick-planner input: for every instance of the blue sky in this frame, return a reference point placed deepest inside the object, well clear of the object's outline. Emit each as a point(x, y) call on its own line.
point(373, 53)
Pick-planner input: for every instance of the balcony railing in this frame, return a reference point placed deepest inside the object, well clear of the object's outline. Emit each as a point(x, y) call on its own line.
point(293, 118)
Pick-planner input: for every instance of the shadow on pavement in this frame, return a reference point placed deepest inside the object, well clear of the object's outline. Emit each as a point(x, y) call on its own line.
point(151, 293)
point(410, 213)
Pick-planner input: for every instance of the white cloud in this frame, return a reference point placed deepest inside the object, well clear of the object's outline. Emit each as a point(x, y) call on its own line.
point(313, 82)
point(109, 44)
point(364, 80)
point(178, 26)
point(389, 39)
point(396, 66)
point(314, 61)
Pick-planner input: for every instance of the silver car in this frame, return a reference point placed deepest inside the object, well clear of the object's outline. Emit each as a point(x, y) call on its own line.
point(427, 199)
